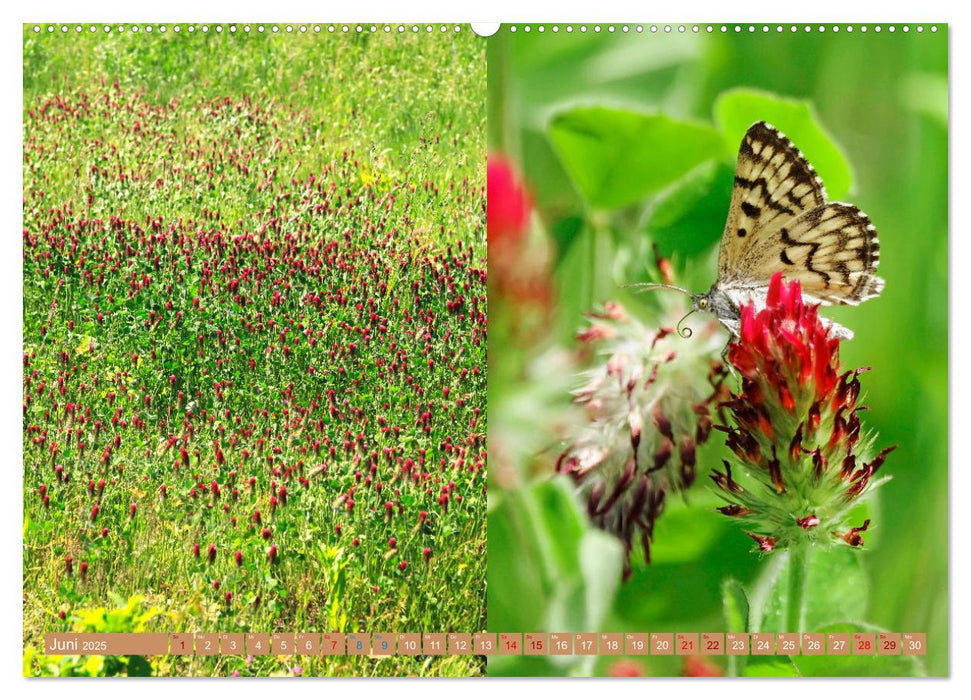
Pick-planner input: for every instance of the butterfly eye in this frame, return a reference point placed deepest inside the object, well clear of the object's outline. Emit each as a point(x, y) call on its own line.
point(703, 304)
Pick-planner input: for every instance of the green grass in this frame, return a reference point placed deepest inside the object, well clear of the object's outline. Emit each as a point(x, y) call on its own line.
point(257, 262)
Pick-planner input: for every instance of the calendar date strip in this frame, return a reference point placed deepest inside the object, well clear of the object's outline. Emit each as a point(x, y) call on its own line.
point(489, 644)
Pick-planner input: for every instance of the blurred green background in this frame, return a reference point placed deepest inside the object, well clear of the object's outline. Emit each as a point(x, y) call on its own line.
point(882, 99)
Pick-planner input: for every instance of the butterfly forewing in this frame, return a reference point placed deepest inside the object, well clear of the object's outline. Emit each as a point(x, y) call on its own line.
point(773, 184)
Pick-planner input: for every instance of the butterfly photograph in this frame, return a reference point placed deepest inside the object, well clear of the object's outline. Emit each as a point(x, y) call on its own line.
point(780, 221)
point(718, 344)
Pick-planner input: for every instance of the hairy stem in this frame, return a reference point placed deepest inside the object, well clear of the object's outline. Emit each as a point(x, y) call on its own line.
point(796, 594)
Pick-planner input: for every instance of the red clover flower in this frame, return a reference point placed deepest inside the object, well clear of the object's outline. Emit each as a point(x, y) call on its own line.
point(649, 406)
point(800, 449)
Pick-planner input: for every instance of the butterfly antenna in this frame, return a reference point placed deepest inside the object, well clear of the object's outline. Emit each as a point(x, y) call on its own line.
point(647, 286)
point(684, 331)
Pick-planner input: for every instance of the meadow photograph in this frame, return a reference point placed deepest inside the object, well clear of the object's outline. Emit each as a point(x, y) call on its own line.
point(254, 340)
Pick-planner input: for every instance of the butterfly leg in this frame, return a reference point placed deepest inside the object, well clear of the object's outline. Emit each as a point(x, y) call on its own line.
point(733, 327)
point(728, 365)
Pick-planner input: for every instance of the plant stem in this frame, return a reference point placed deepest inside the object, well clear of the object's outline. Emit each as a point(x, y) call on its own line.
point(601, 255)
point(796, 598)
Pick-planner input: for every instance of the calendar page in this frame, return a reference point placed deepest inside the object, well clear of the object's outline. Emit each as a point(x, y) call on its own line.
point(484, 350)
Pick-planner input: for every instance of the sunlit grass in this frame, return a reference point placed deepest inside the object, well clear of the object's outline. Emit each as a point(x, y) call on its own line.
point(254, 321)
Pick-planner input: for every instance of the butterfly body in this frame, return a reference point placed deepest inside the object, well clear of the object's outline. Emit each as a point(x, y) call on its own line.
point(726, 305)
point(780, 220)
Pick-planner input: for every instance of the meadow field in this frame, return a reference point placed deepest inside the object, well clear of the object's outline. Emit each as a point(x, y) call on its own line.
point(254, 337)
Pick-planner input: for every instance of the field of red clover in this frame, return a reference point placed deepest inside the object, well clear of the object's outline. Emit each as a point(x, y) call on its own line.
point(254, 343)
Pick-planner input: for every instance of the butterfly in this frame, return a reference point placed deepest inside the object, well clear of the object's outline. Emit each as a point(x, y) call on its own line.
point(779, 220)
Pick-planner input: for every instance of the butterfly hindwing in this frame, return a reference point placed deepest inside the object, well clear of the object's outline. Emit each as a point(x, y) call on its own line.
point(831, 249)
point(773, 184)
